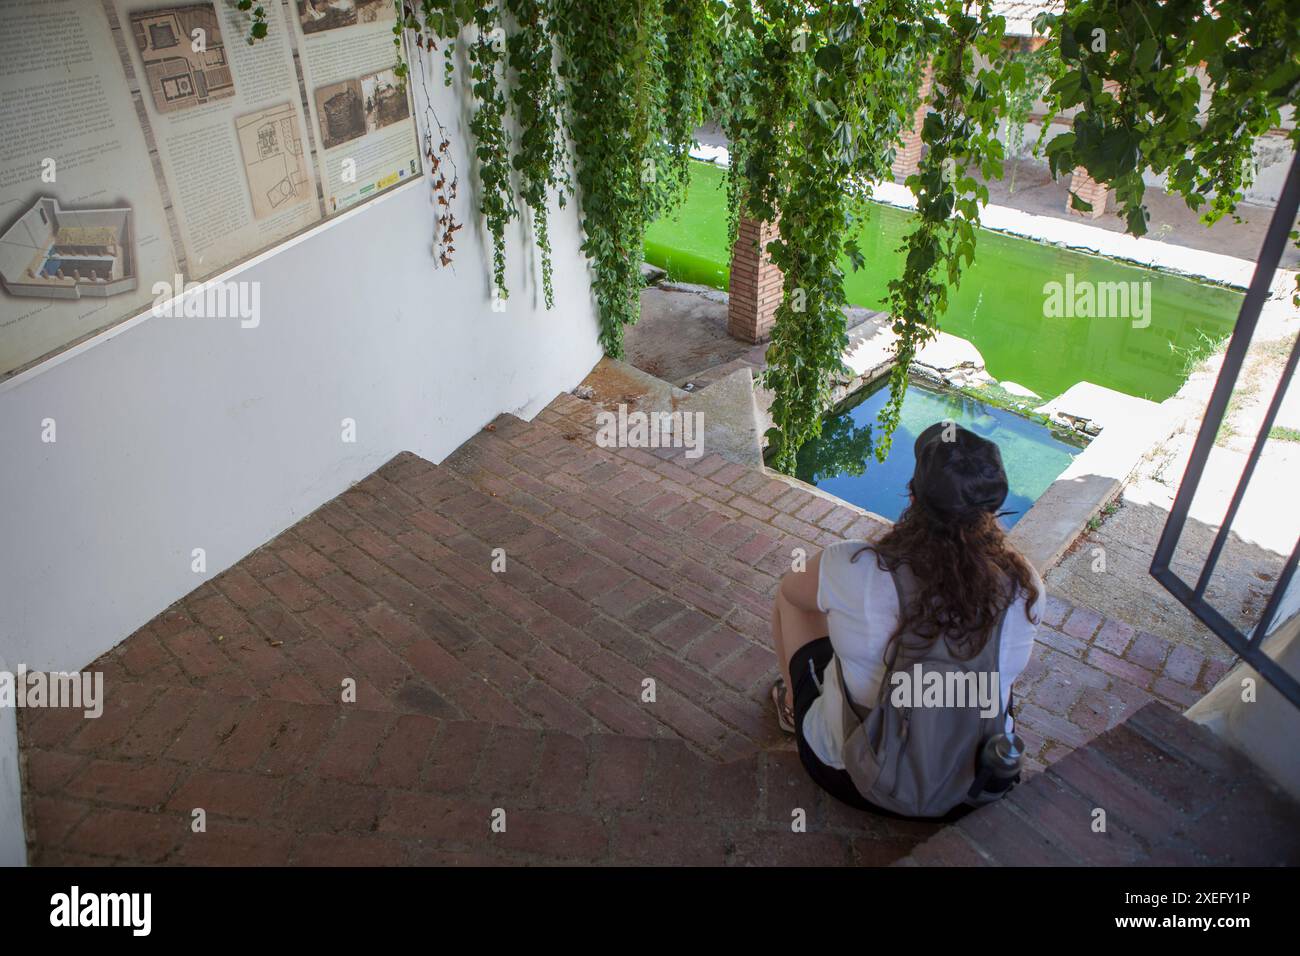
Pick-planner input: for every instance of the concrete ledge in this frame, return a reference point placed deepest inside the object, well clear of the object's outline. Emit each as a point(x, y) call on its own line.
point(1094, 479)
point(732, 427)
point(731, 422)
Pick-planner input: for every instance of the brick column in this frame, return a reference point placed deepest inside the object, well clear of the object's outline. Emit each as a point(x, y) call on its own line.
point(755, 287)
point(1090, 191)
point(908, 159)
point(1087, 188)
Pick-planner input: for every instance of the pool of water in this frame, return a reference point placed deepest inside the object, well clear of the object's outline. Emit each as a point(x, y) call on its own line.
point(837, 462)
point(1000, 304)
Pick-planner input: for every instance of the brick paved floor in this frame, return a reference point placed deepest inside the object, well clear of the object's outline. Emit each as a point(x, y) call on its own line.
point(523, 691)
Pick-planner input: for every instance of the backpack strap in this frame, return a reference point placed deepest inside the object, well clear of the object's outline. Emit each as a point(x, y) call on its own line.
point(883, 694)
point(902, 589)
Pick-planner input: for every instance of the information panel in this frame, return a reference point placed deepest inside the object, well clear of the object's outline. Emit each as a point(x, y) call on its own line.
point(143, 140)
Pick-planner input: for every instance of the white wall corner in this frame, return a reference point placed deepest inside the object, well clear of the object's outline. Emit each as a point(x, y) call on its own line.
point(13, 838)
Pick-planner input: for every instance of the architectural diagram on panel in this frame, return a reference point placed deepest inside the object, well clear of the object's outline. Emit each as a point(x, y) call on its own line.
point(54, 253)
point(184, 56)
point(275, 162)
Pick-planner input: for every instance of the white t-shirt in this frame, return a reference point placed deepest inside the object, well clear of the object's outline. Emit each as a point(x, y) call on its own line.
point(861, 606)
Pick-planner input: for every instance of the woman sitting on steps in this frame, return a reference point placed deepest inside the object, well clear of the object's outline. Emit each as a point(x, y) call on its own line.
point(941, 600)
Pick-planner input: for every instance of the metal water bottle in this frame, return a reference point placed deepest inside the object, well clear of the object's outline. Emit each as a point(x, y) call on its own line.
point(1001, 758)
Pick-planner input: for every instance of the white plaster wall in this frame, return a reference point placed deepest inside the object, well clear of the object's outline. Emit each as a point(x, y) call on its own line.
point(1265, 728)
point(175, 434)
point(13, 849)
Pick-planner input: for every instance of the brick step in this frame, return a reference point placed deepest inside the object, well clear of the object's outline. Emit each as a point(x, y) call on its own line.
point(720, 532)
point(376, 788)
point(759, 499)
point(590, 628)
point(390, 585)
point(1172, 793)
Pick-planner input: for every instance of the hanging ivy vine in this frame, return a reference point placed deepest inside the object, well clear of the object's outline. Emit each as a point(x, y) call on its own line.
point(835, 86)
point(1135, 72)
point(814, 99)
point(435, 140)
point(968, 97)
point(603, 67)
point(731, 97)
point(491, 141)
point(689, 46)
point(541, 160)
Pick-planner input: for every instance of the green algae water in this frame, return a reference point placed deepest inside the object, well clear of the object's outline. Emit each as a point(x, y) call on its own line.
point(840, 461)
point(1000, 304)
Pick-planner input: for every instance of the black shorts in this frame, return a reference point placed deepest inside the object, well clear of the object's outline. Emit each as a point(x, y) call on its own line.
point(812, 659)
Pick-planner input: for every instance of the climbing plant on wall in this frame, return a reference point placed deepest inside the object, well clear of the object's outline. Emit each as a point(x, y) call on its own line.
point(602, 66)
point(491, 141)
point(535, 100)
point(416, 43)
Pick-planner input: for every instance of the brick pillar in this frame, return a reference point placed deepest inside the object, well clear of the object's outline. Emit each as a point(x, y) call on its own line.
point(1087, 188)
point(755, 288)
point(908, 159)
point(1090, 191)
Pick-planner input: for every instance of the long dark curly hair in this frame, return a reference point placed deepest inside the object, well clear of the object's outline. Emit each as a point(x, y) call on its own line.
point(966, 574)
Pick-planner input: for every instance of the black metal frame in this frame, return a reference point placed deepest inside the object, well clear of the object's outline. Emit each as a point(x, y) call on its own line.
point(1247, 647)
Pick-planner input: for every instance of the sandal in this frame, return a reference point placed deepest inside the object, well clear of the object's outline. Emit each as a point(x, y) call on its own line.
point(784, 715)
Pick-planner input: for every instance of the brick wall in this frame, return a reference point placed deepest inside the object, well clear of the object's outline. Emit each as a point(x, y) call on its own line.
point(1090, 191)
point(1087, 188)
point(755, 288)
point(909, 155)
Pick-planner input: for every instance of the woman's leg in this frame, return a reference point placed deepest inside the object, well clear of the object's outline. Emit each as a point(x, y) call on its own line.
point(796, 619)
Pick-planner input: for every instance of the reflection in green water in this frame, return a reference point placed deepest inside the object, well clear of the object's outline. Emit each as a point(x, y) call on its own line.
point(999, 306)
point(835, 462)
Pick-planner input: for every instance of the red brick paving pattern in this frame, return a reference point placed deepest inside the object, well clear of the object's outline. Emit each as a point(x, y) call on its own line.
point(520, 690)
